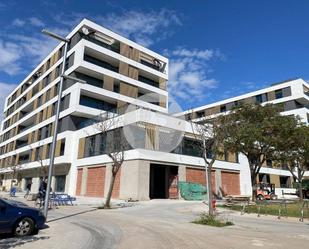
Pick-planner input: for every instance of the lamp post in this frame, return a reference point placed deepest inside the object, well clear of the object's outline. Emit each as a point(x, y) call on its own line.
point(54, 141)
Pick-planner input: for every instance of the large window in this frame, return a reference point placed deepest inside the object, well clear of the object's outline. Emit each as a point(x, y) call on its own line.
point(279, 94)
point(60, 183)
point(95, 103)
point(259, 99)
point(100, 63)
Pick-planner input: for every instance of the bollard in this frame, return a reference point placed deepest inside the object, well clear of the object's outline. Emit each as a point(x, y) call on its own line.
point(213, 204)
point(242, 212)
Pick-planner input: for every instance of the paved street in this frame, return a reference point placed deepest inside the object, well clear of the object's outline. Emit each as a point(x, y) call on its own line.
point(160, 224)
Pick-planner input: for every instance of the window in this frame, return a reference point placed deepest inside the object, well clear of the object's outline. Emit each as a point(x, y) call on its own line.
point(223, 108)
point(40, 134)
point(48, 130)
point(62, 147)
point(279, 94)
point(53, 110)
point(56, 89)
point(39, 101)
point(259, 99)
point(90, 148)
point(58, 70)
point(236, 103)
point(102, 146)
point(200, 114)
point(60, 183)
point(48, 150)
point(285, 182)
point(37, 154)
point(48, 64)
point(95, 103)
point(48, 95)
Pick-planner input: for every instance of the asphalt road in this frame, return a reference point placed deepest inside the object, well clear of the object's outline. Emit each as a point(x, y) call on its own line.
point(161, 224)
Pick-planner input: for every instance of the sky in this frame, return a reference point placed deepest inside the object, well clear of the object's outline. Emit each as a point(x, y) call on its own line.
point(216, 48)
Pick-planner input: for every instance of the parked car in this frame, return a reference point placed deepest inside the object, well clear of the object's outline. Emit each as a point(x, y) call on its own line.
point(19, 219)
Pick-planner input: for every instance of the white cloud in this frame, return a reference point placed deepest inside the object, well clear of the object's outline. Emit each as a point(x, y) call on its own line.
point(189, 73)
point(6, 89)
point(10, 54)
point(34, 21)
point(36, 47)
point(18, 22)
point(143, 27)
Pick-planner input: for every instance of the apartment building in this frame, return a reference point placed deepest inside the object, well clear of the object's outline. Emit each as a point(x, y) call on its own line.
point(117, 72)
point(161, 149)
point(292, 96)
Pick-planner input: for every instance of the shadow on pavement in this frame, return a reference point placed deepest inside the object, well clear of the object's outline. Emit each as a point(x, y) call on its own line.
point(70, 215)
point(9, 241)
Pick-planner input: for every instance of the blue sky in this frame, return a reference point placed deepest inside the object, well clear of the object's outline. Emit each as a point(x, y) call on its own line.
point(217, 49)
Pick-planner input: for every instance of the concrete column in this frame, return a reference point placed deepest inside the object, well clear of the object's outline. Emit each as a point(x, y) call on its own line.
point(35, 185)
point(144, 180)
point(218, 182)
point(108, 174)
point(134, 180)
point(84, 181)
point(182, 173)
point(23, 183)
point(53, 183)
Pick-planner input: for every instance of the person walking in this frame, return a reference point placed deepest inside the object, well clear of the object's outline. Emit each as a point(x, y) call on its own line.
point(28, 188)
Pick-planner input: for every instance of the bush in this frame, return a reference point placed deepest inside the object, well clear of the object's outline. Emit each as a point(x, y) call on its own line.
point(212, 220)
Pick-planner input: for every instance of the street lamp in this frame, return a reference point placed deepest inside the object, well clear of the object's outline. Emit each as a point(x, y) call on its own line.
point(54, 141)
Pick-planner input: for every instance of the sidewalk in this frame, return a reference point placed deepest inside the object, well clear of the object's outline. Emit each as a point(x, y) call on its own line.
point(80, 200)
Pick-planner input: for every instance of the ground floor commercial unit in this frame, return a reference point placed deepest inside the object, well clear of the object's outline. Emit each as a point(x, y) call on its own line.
point(84, 169)
point(146, 178)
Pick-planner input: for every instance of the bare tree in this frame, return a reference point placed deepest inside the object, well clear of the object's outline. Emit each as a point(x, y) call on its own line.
point(14, 168)
point(43, 170)
point(113, 144)
point(208, 137)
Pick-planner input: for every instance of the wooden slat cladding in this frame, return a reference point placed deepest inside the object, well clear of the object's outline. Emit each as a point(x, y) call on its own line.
point(133, 72)
point(108, 83)
point(211, 111)
point(129, 52)
point(248, 100)
point(162, 83)
point(275, 180)
point(134, 54)
point(271, 95)
point(128, 90)
point(81, 148)
point(123, 68)
point(58, 148)
point(124, 49)
point(162, 101)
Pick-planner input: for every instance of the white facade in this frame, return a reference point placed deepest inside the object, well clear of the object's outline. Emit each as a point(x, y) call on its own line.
point(118, 72)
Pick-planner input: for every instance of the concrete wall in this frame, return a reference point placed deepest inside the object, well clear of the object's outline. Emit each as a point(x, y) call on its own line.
point(134, 182)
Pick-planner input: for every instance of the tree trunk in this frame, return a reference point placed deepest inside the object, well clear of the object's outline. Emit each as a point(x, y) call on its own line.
point(210, 208)
point(253, 183)
point(300, 189)
point(110, 191)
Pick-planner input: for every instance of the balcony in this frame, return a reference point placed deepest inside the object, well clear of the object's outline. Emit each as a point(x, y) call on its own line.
point(148, 81)
point(101, 63)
